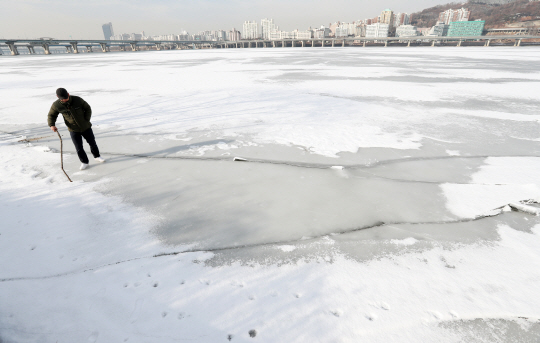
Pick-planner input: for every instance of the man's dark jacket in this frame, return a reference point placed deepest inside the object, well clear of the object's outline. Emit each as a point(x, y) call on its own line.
point(76, 113)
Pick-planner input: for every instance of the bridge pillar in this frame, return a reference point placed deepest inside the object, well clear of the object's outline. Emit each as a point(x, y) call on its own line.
point(133, 46)
point(518, 42)
point(409, 43)
point(158, 46)
point(31, 50)
point(46, 48)
point(89, 48)
point(292, 43)
point(273, 44)
point(343, 43)
point(12, 48)
point(68, 48)
point(364, 45)
point(487, 42)
point(303, 44)
point(282, 43)
point(237, 45)
point(74, 47)
point(103, 47)
point(433, 44)
point(333, 43)
point(322, 43)
point(385, 44)
point(459, 43)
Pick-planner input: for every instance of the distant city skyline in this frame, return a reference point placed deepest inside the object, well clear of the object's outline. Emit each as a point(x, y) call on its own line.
point(84, 19)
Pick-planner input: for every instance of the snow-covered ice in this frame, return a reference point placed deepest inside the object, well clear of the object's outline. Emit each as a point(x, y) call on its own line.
point(274, 195)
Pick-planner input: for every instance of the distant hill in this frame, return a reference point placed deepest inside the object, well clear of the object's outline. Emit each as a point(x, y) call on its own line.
point(495, 14)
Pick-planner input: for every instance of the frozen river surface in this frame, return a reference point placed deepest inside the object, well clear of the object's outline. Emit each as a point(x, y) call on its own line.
point(369, 205)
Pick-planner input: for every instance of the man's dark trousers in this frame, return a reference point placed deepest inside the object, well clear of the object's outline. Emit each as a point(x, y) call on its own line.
point(88, 135)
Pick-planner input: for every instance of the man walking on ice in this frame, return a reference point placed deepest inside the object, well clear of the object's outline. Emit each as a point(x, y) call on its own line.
point(76, 113)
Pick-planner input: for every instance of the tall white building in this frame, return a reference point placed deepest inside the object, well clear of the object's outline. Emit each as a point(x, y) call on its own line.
point(268, 26)
point(251, 30)
point(451, 15)
point(234, 35)
point(221, 35)
point(402, 19)
point(377, 30)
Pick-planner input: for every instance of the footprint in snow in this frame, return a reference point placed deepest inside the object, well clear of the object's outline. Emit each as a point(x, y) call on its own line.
point(371, 316)
point(337, 313)
point(252, 333)
point(181, 315)
point(297, 295)
point(156, 284)
point(125, 285)
point(385, 306)
point(230, 337)
point(163, 314)
point(436, 314)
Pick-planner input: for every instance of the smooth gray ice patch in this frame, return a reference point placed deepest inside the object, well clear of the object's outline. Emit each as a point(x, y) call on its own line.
point(442, 170)
point(218, 203)
point(304, 75)
point(495, 330)
point(380, 241)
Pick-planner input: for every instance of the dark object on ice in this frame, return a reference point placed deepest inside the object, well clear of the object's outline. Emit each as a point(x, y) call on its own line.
point(252, 333)
point(229, 337)
point(62, 93)
point(62, 156)
point(239, 159)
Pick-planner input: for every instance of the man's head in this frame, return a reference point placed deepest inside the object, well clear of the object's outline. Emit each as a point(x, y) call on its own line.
point(62, 94)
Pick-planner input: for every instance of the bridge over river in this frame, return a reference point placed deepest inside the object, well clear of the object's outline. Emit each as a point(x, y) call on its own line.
point(74, 46)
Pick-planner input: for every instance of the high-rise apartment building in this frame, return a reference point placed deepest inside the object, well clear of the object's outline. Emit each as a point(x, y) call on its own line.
point(108, 31)
point(402, 19)
point(268, 26)
point(234, 35)
point(451, 15)
point(387, 17)
point(251, 30)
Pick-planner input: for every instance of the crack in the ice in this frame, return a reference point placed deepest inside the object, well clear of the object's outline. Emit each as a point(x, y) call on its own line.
point(256, 245)
point(309, 165)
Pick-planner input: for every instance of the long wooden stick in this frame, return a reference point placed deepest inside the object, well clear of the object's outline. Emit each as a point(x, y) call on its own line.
point(62, 155)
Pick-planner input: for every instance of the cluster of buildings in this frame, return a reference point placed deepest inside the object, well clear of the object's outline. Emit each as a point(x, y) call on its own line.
point(452, 23)
point(219, 35)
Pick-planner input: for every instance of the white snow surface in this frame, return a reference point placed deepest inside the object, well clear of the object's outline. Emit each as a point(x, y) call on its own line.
point(88, 261)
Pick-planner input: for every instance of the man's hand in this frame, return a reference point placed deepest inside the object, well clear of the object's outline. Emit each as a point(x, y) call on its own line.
point(54, 128)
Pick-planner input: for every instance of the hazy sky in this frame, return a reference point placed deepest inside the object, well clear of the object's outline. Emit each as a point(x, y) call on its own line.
point(82, 19)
